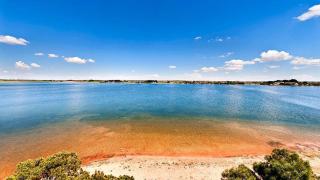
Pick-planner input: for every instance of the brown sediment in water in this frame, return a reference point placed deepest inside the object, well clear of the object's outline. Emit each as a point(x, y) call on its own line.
point(158, 137)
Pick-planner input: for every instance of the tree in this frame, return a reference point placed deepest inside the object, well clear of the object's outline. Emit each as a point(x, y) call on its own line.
point(59, 166)
point(280, 165)
point(239, 173)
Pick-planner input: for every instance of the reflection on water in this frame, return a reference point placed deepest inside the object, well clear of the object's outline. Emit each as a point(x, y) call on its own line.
point(28, 105)
point(102, 120)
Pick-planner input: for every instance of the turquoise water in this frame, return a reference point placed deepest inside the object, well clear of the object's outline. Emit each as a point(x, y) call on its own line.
point(30, 105)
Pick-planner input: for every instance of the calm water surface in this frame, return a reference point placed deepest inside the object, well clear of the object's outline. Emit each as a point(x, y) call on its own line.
point(30, 105)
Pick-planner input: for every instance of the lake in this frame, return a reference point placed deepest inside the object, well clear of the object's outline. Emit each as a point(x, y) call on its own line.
point(102, 120)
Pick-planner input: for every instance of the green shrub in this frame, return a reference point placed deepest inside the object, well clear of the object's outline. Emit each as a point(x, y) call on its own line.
point(240, 173)
point(98, 175)
point(59, 166)
point(282, 164)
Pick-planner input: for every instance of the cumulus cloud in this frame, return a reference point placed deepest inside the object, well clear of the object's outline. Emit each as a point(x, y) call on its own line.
point(78, 60)
point(197, 38)
point(13, 40)
point(38, 54)
point(207, 69)
point(232, 65)
point(21, 65)
point(172, 67)
point(35, 65)
point(53, 55)
point(273, 55)
point(236, 64)
point(75, 60)
point(312, 12)
point(305, 61)
point(266, 56)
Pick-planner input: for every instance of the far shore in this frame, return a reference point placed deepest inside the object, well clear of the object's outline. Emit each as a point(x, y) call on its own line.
point(290, 82)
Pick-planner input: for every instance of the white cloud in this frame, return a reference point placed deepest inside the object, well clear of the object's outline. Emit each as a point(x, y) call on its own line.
point(13, 40)
point(232, 65)
point(219, 39)
point(273, 55)
point(305, 61)
point(5, 71)
point(38, 54)
point(236, 64)
point(273, 67)
point(76, 60)
point(226, 55)
point(21, 65)
point(207, 70)
point(197, 38)
point(172, 67)
point(35, 65)
point(312, 12)
point(53, 55)
point(91, 60)
point(267, 56)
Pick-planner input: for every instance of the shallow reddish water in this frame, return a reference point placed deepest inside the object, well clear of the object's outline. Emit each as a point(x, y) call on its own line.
point(100, 140)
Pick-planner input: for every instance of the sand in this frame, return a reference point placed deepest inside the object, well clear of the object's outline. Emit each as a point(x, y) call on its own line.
point(156, 138)
point(162, 167)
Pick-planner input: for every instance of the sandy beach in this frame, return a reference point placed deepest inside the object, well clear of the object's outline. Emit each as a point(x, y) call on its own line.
point(178, 147)
point(165, 167)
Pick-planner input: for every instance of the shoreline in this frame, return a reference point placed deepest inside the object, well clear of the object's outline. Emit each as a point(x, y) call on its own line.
point(103, 141)
point(291, 82)
point(177, 167)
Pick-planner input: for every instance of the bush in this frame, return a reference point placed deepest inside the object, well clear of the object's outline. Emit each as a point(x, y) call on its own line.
point(239, 173)
point(280, 165)
point(59, 166)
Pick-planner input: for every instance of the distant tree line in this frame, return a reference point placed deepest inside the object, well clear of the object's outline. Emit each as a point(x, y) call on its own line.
point(291, 82)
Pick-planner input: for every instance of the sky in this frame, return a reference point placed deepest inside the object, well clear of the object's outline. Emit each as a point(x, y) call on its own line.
point(160, 39)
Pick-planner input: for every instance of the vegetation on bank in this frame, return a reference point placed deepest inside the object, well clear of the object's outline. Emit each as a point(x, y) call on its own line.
point(291, 82)
point(59, 166)
point(280, 165)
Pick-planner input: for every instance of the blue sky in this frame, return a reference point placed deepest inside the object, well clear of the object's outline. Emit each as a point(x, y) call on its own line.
point(167, 39)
